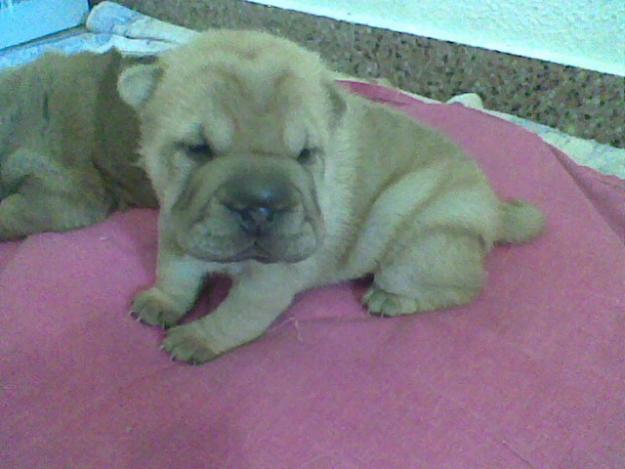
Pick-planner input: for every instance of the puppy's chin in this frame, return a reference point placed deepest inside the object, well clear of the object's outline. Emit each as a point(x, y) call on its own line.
point(259, 254)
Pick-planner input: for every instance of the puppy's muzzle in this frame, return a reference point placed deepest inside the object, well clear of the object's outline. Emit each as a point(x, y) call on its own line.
point(258, 203)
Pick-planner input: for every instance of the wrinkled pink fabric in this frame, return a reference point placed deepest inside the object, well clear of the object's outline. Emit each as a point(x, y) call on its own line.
point(530, 375)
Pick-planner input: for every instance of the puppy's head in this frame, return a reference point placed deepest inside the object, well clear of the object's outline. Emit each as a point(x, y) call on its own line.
point(237, 128)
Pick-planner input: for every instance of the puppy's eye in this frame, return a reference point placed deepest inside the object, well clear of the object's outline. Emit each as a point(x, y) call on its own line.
point(306, 156)
point(198, 151)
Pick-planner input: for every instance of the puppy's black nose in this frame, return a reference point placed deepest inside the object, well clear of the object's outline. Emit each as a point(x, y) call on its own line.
point(257, 200)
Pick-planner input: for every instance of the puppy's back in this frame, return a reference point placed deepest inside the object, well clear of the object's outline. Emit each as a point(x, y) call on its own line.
point(48, 105)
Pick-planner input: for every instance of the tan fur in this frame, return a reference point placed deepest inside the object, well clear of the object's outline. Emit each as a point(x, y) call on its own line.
point(520, 222)
point(384, 195)
point(67, 145)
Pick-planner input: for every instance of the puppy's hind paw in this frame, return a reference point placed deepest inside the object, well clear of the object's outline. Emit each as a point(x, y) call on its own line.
point(381, 303)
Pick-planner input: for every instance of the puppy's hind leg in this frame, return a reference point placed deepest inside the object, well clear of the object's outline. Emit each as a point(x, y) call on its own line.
point(37, 194)
point(436, 268)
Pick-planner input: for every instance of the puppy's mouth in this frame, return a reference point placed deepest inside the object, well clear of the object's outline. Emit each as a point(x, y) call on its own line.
point(255, 252)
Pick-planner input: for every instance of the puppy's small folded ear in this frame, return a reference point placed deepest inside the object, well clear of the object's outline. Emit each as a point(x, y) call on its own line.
point(337, 100)
point(136, 84)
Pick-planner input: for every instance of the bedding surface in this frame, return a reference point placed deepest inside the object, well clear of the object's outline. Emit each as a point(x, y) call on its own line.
point(530, 375)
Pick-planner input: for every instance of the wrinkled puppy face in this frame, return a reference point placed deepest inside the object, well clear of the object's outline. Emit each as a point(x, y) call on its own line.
point(247, 204)
point(235, 140)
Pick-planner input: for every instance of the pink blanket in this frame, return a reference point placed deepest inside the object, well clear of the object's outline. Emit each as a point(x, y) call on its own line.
point(532, 374)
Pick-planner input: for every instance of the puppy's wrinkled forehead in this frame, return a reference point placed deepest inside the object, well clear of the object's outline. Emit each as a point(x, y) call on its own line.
point(263, 108)
point(256, 99)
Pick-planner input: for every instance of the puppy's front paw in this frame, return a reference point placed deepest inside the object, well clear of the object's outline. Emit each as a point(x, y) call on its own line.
point(156, 308)
point(187, 343)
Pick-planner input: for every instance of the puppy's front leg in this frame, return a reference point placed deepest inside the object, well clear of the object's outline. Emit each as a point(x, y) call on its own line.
point(254, 302)
point(179, 281)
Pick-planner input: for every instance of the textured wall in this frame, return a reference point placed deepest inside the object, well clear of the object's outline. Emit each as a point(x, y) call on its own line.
point(583, 33)
point(583, 103)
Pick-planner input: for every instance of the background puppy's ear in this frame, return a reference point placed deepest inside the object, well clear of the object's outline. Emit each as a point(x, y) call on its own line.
point(337, 100)
point(136, 84)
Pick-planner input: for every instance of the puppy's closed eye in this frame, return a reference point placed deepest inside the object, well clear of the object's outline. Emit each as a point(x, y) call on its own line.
point(307, 156)
point(199, 152)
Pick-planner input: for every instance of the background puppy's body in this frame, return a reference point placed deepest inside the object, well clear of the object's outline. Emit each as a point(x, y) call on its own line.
point(67, 145)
